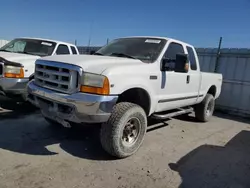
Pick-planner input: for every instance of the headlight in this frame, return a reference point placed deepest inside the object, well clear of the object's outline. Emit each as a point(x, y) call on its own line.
point(13, 72)
point(94, 83)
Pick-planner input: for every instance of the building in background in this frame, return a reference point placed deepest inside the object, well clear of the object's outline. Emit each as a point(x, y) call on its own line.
point(3, 42)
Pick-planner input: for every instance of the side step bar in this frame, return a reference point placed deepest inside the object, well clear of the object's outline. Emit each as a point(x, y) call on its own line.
point(179, 111)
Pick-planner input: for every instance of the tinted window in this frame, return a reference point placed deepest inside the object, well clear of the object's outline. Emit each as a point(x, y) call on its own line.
point(73, 50)
point(170, 54)
point(30, 46)
point(172, 50)
point(62, 49)
point(192, 59)
point(145, 49)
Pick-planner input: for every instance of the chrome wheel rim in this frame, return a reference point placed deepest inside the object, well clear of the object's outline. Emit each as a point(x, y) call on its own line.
point(209, 108)
point(131, 131)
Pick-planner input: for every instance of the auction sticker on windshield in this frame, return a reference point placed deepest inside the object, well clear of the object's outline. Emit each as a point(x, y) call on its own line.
point(153, 41)
point(46, 43)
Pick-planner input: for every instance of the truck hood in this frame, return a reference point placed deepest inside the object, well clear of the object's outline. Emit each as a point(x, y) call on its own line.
point(17, 58)
point(93, 63)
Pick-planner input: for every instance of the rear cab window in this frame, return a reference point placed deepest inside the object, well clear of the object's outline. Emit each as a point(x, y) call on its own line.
point(73, 49)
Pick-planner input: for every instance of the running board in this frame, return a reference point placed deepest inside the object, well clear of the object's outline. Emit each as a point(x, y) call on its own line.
point(172, 114)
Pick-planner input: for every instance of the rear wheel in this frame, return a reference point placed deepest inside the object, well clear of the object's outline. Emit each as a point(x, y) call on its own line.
point(124, 132)
point(204, 110)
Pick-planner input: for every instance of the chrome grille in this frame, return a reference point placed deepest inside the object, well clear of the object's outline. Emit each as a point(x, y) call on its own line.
point(57, 76)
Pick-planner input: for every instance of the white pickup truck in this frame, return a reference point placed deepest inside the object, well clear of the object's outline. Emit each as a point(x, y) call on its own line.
point(17, 62)
point(121, 85)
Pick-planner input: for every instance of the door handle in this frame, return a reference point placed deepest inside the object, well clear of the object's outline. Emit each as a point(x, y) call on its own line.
point(188, 79)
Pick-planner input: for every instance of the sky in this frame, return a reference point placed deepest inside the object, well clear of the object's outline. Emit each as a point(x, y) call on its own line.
point(198, 22)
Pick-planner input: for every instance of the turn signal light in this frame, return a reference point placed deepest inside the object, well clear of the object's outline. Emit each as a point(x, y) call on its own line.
point(97, 90)
point(13, 74)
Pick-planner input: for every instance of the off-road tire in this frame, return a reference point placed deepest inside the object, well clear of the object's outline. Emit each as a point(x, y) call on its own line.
point(201, 109)
point(112, 131)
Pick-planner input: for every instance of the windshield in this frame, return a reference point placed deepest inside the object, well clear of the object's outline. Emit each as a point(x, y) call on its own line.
point(144, 49)
point(30, 46)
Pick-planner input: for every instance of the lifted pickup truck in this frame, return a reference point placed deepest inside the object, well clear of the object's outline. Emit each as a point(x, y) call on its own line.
point(17, 62)
point(121, 85)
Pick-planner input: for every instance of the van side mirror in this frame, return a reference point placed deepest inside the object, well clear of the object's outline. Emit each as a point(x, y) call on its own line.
point(181, 63)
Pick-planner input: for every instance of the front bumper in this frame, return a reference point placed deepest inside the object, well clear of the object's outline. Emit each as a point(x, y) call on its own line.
point(13, 86)
point(77, 107)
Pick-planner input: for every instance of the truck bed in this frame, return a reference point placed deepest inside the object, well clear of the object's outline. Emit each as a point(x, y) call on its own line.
point(208, 78)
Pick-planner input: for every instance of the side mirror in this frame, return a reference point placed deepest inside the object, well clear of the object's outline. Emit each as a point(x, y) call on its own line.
point(181, 63)
point(167, 64)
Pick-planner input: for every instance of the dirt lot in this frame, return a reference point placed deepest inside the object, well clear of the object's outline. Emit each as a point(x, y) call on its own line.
point(177, 153)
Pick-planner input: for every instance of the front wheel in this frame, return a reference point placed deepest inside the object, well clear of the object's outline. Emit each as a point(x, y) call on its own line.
point(204, 110)
point(124, 132)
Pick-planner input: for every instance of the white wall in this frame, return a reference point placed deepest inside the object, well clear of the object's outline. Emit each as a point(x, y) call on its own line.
point(3, 42)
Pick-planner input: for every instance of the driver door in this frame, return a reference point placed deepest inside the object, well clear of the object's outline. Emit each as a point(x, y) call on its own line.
point(174, 85)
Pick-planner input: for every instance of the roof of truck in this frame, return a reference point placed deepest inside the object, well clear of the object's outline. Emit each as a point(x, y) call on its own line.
point(49, 40)
point(157, 37)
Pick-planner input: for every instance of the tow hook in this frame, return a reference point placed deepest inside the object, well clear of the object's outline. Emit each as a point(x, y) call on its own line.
point(66, 124)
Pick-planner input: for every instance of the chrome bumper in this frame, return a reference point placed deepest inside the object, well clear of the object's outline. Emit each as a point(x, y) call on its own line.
point(77, 108)
point(13, 86)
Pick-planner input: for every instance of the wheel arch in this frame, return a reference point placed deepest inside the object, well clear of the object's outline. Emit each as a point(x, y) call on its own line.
point(212, 90)
point(137, 95)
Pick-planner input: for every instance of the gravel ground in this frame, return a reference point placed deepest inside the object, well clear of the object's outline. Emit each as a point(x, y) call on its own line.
point(176, 153)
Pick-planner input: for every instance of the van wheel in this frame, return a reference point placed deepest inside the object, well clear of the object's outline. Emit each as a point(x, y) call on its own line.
point(204, 110)
point(124, 132)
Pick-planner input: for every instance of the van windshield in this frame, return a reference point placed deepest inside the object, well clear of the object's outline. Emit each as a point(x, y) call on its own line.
point(144, 49)
point(30, 46)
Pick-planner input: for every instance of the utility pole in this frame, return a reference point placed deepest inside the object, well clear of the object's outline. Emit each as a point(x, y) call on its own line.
point(218, 56)
point(90, 35)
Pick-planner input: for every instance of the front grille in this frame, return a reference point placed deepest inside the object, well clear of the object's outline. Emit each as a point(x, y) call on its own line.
point(1, 69)
point(57, 76)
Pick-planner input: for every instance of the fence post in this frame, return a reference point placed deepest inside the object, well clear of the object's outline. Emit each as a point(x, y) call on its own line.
point(218, 56)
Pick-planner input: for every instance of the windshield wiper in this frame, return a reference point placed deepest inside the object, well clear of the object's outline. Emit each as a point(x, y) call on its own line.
point(122, 55)
point(24, 53)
